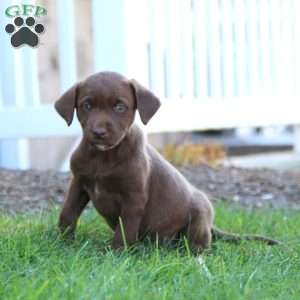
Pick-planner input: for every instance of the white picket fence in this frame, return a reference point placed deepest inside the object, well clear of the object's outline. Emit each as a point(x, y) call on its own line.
point(214, 64)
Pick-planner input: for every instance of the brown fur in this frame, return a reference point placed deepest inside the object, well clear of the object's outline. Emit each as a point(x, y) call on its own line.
point(123, 175)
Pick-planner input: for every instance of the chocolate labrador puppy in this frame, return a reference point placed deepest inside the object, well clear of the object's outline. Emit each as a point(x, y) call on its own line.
point(130, 184)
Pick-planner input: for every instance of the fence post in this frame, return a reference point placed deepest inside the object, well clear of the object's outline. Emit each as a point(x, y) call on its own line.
point(200, 36)
point(67, 56)
point(296, 24)
point(108, 23)
point(137, 40)
point(120, 41)
point(156, 48)
point(66, 43)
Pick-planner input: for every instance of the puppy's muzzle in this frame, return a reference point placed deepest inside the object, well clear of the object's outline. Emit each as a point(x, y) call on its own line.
point(100, 133)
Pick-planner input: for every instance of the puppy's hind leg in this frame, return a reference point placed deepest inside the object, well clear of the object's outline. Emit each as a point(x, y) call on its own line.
point(200, 223)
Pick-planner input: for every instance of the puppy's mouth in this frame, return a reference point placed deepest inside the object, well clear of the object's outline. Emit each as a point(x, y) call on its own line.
point(102, 146)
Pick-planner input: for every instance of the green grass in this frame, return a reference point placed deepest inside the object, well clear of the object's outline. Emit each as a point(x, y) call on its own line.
point(36, 264)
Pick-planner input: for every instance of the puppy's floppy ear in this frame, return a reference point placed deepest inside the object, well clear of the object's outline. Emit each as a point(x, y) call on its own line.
point(147, 103)
point(65, 105)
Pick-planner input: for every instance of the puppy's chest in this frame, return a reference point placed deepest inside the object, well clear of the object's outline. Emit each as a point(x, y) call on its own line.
point(106, 193)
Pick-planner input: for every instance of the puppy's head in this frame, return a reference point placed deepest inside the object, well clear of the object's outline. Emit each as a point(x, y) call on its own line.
point(105, 104)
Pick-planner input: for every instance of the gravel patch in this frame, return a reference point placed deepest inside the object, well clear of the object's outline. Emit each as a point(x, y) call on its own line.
point(32, 190)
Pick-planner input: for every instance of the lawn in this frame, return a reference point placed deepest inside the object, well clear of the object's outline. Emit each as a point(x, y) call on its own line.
point(36, 264)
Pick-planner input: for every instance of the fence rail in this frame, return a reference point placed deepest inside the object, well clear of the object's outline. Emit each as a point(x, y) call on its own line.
point(219, 63)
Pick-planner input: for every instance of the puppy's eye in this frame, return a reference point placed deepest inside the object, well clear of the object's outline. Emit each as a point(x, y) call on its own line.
point(120, 107)
point(86, 106)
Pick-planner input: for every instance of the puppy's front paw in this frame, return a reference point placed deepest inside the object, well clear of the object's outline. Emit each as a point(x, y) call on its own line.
point(68, 235)
point(118, 244)
point(66, 229)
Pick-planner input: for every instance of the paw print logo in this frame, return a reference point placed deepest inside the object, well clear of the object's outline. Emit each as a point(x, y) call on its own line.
point(24, 33)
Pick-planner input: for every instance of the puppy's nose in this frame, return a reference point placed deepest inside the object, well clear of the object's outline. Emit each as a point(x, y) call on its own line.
point(100, 132)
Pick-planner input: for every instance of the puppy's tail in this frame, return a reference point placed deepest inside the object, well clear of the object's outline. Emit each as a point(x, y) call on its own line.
point(235, 238)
